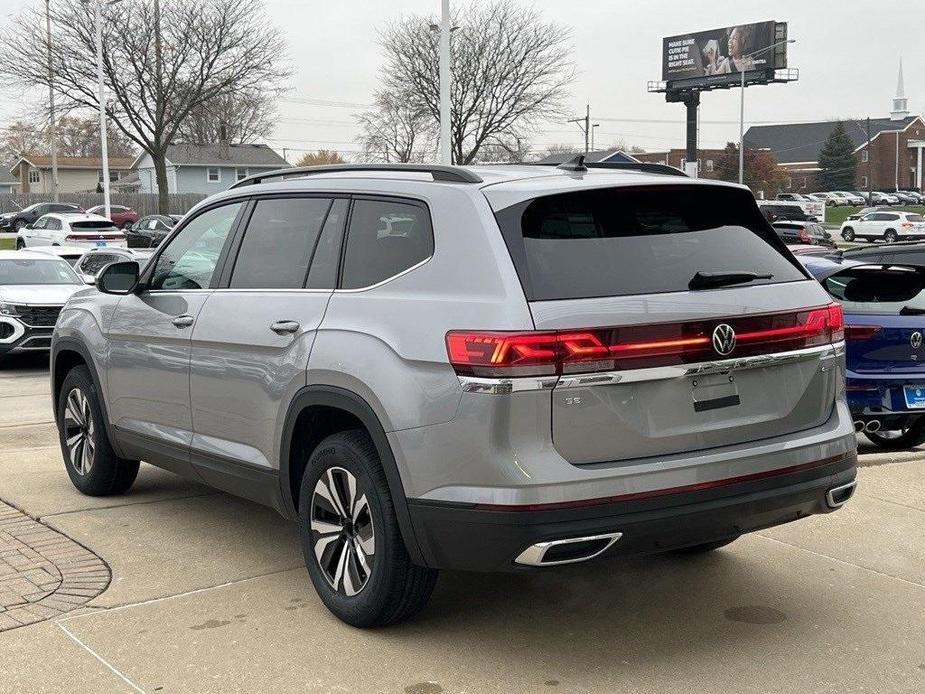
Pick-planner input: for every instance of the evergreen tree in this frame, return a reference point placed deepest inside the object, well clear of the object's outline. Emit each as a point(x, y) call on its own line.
point(837, 163)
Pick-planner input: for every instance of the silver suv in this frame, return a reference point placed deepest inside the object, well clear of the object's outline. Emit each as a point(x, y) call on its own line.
point(490, 369)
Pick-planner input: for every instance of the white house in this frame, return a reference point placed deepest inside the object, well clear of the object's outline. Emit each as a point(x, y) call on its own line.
point(206, 169)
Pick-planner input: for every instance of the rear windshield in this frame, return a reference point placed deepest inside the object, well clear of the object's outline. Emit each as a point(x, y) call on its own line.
point(879, 290)
point(622, 241)
point(93, 226)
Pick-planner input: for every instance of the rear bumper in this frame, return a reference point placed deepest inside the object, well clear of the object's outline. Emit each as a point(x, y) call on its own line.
point(474, 538)
point(875, 397)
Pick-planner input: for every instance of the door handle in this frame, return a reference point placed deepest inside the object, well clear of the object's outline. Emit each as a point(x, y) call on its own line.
point(282, 327)
point(183, 321)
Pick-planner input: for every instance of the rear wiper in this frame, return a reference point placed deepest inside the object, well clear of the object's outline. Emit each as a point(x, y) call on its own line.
point(709, 280)
point(911, 311)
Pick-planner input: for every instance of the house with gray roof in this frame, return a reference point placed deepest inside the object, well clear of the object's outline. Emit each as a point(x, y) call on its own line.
point(594, 157)
point(206, 169)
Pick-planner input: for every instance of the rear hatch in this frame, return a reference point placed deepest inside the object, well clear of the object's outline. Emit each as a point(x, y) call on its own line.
point(650, 365)
point(884, 310)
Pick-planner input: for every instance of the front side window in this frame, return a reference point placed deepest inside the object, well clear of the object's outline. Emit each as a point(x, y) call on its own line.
point(52, 224)
point(214, 174)
point(189, 261)
point(384, 239)
point(40, 224)
point(279, 242)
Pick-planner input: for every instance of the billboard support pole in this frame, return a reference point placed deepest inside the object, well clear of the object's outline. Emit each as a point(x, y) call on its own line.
point(692, 102)
point(742, 131)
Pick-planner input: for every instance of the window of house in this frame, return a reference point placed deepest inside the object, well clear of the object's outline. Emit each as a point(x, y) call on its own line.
point(34, 176)
point(789, 183)
point(864, 155)
point(709, 165)
point(214, 174)
point(683, 163)
point(240, 174)
point(864, 182)
point(803, 183)
point(99, 175)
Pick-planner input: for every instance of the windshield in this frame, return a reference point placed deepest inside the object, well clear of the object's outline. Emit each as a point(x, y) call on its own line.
point(878, 290)
point(28, 271)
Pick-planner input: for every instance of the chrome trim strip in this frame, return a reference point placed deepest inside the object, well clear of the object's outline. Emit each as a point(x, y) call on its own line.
point(533, 555)
point(18, 330)
point(661, 373)
point(387, 279)
point(830, 495)
point(506, 386)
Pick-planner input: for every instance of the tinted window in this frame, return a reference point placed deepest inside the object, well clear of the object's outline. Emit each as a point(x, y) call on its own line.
point(915, 218)
point(279, 242)
point(53, 224)
point(878, 290)
point(95, 262)
point(189, 261)
point(323, 273)
point(384, 239)
point(613, 242)
point(93, 225)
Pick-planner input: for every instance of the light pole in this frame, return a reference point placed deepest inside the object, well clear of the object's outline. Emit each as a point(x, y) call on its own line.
point(446, 156)
point(52, 139)
point(742, 106)
point(101, 96)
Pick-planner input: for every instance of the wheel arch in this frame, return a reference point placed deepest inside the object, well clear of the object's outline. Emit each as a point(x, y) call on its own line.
point(347, 410)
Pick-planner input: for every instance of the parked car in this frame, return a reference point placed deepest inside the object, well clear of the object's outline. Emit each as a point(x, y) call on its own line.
point(867, 210)
point(94, 260)
point(878, 198)
point(80, 230)
point(149, 231)
point(851, 198)
point(803, 249)
point(69, 253)
point(461, 373)
point(793, 197)
point(809, 233)
point(782, 211)
point(900, 253)
point(886, 226)
point(917, 197)
point(14, 221)
point(33, 288)
point(122, 217)
point(884, 310)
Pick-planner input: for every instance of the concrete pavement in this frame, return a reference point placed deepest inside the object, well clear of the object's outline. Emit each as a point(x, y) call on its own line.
point(208, 594)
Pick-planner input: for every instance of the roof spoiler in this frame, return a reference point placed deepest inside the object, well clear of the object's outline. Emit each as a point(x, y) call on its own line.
point(578, 164)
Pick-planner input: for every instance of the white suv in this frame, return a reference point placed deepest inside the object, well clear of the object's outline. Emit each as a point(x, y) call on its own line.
point(886, 226)
point(80, 230)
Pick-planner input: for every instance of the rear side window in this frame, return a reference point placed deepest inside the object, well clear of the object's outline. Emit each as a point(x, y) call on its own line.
point(385, 238)
point(622, 241)
point(915, 218)
point(876, 290)
point(279, 242)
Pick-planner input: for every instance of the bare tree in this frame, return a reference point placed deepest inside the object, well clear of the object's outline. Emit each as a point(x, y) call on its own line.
point(395, 131)
point(511, 70)
point(76, 137)
point(162, 59)
point(18, 138)
point(322, 156)
point(249, 116)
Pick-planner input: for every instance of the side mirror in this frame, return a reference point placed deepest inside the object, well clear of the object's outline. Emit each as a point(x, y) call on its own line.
point(118, 278)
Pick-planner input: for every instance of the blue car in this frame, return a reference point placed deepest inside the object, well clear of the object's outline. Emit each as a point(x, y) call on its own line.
point(884, 313)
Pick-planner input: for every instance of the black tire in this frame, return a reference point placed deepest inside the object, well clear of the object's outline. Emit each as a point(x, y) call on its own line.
point(386, 586)
point(847, 234)
point(891, 236)
point(705, 547)
point(20, 244)
point(106, 474)
point(909, 436)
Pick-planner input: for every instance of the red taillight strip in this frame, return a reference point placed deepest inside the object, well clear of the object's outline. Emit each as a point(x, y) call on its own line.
point(637, 496)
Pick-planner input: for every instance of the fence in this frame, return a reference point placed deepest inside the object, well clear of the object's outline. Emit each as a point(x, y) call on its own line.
point(143, 203)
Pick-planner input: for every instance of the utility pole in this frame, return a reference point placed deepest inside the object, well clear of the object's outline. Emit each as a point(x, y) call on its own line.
point(101, 95)
point(446, 153)
point(869, 160)
point(52, 138)
point(586, 128)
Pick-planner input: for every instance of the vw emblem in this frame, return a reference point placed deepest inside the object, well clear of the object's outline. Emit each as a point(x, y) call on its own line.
point(724, 339)
point(916, 340)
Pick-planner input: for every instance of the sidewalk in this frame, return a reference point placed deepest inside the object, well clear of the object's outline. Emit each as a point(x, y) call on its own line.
point(208, 594)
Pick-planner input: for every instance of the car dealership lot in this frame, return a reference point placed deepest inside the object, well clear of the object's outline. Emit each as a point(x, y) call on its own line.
point(208, 593)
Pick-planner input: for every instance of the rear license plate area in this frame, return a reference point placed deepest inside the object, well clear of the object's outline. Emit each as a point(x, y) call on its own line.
point(915, 397)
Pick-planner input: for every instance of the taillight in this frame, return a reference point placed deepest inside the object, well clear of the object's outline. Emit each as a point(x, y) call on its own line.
point(907, 225)
point(636, 346)
point(861, 332)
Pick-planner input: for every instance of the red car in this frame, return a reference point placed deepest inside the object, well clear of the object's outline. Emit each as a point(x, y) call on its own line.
point(122, 217)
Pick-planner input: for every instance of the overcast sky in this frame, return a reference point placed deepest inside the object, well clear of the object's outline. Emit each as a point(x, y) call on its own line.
point(847, 53)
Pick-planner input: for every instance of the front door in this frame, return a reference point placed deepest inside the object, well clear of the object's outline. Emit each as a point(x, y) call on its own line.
point(150, 342)
point(253, 337)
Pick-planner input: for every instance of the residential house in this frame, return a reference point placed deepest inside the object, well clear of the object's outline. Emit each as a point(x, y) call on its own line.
point(609, 156)
point(75, 174)
point(208, 168)
point(677, 157)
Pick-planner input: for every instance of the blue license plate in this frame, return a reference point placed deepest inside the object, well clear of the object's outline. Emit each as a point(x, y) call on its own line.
point(915, 397)
point(100, 244)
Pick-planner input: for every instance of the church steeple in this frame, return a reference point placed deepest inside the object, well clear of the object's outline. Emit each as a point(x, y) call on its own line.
point(900, 103)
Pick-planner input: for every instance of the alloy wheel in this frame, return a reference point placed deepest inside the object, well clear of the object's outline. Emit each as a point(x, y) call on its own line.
point(79, 431)
point(343, 535)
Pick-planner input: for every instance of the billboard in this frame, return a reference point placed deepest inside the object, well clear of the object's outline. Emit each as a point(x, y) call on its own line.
point(717, 58)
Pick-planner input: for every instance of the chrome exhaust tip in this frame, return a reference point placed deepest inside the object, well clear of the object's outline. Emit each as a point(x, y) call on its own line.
point(837, 496)
point(872, 425)
point(568, 551)
point(858, 426)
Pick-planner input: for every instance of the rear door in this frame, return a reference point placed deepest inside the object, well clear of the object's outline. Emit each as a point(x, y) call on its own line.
point(652, 366)
point(253, 337)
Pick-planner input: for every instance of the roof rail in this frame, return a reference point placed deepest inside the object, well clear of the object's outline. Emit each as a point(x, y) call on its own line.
point(443, 174)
